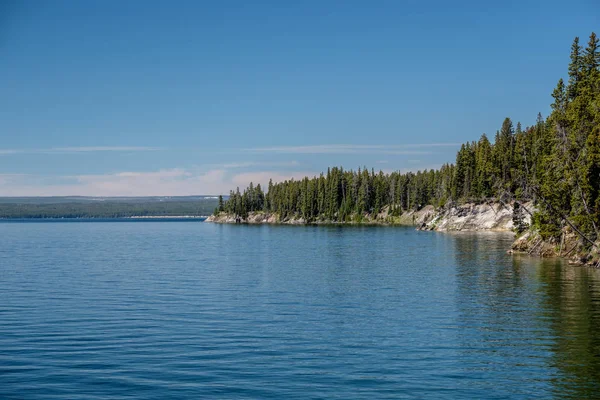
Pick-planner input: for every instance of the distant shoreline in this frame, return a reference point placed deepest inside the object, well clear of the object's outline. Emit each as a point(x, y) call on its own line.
point(167, 216)
point(200, 217)
point(142, 208)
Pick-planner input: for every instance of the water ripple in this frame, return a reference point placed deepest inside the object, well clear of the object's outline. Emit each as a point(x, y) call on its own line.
point(164, 310)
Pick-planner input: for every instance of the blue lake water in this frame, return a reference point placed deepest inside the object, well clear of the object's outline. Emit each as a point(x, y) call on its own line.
point(187, 309)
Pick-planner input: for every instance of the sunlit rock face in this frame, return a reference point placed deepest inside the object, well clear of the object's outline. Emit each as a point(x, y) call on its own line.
point(475, 217)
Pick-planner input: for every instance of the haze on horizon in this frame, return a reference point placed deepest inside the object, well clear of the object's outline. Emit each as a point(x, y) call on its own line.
point(107, 98)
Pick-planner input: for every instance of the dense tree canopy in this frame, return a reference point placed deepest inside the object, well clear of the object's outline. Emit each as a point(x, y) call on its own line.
point(555, 162)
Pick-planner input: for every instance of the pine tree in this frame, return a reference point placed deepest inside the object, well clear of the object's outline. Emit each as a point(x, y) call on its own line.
point(555, 162)
point(591, 56)
point(575, 69)
point(518, 218)
point(591, 182)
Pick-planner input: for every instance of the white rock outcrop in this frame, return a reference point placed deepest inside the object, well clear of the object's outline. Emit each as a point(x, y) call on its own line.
point(475, 217)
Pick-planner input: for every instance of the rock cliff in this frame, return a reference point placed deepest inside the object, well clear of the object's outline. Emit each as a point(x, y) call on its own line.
point(475, 217)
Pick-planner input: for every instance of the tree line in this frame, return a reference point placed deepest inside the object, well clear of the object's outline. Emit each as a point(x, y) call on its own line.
point(555, 162)
point(107, 209)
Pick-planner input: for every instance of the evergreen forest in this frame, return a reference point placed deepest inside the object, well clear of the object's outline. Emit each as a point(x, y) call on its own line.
point(555, 163)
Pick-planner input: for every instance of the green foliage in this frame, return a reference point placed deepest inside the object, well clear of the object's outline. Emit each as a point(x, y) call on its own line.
point(519, 218)
point(546, 224)
point(555, 163)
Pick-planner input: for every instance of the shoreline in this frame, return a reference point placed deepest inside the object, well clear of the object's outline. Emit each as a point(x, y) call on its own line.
point(468, 217)
point(569, 248)
point(490, 217)
point(412, 218)
point(167, 216)
point(202, 217)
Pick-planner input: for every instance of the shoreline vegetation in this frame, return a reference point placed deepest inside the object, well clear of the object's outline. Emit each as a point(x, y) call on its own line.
point(466, 217)
point(543, 179)
point(469, 217)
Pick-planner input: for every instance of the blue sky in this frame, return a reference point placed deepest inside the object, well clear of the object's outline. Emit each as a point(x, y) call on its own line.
point(195, 97)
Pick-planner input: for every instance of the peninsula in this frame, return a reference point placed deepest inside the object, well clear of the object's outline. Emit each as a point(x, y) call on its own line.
point(541, 181)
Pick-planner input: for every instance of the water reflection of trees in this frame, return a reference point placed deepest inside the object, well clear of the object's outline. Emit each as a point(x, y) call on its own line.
point(495, 318)
point(531, 320)
point(571, 304)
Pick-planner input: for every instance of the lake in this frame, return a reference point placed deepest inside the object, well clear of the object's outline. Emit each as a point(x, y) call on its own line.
point(188, 309)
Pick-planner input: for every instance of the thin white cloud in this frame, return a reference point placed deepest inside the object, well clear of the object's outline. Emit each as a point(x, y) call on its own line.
point(424, 145)
point(420, 167)
point(9, 178)
point(263, 177)
point(351, 149)
point(250, 164)
point(168, 182)
point(74, 150)
point(402, 152)
point(87, 149)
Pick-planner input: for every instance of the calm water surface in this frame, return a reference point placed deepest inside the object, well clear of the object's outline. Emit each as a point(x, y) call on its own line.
point(160, 310)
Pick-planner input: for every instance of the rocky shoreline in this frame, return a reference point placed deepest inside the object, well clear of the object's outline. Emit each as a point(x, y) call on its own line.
point(473, 217)
point(570, 247)
point(412, 218)
point(469, 217)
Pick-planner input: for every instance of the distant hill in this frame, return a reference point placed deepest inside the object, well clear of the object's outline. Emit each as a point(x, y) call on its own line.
point(105, 207)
